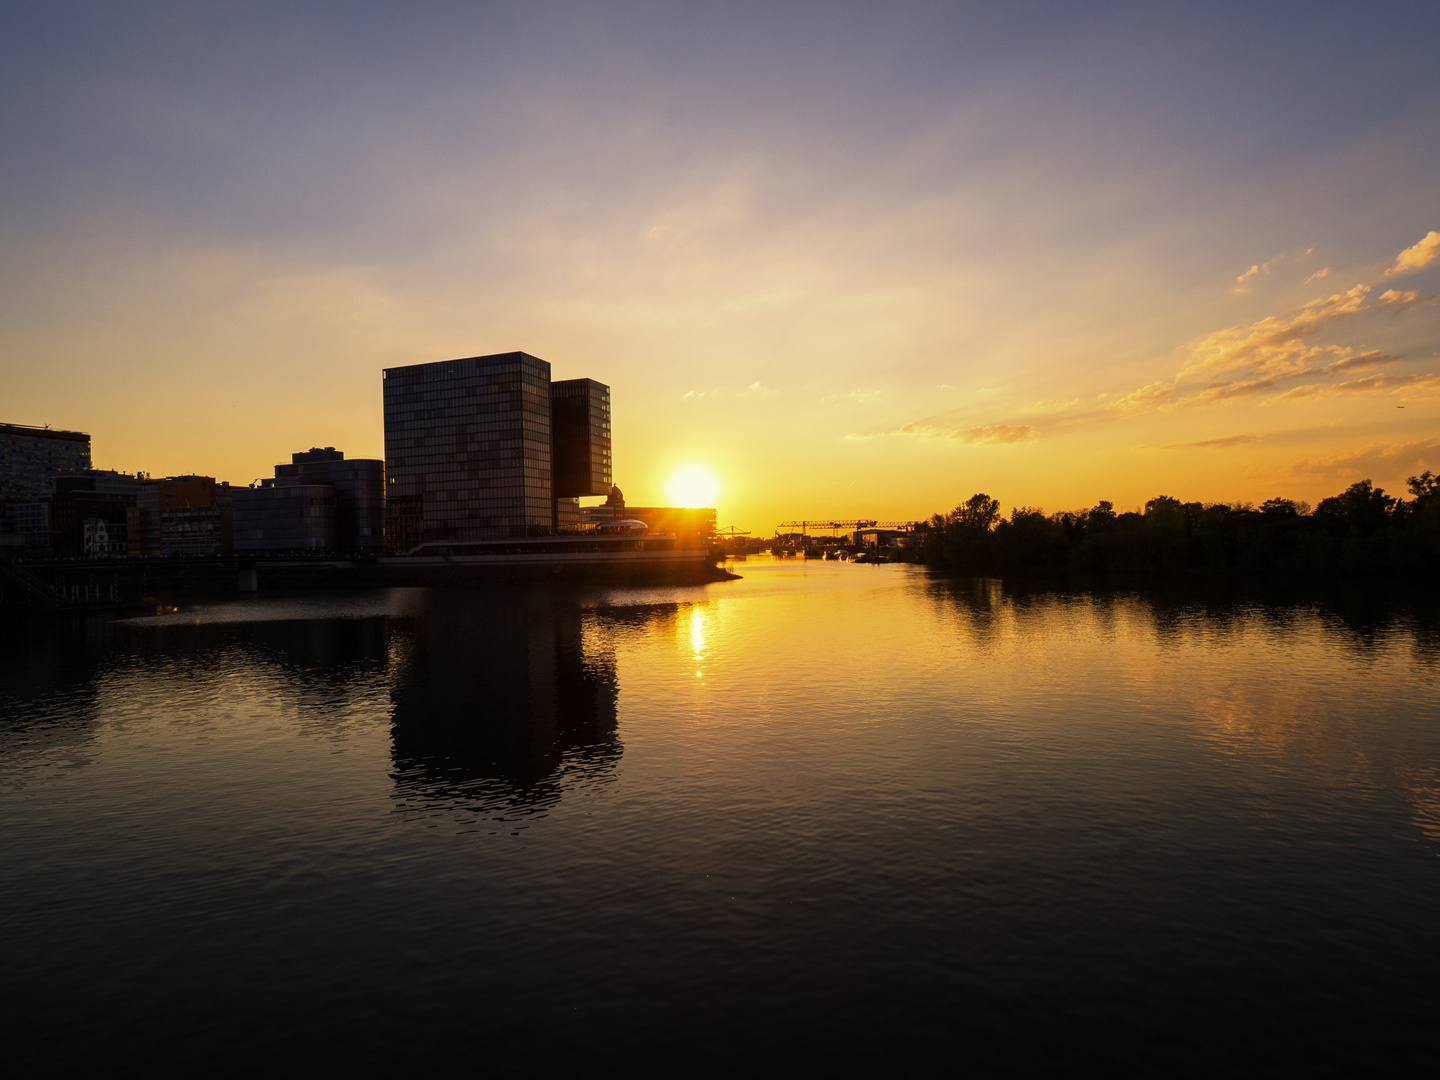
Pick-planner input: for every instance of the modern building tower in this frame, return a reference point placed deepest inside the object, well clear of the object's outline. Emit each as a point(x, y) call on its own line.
point(580, 422)
point(472, 451)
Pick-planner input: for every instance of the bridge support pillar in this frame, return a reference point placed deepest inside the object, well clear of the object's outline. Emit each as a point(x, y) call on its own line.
point(249, 579)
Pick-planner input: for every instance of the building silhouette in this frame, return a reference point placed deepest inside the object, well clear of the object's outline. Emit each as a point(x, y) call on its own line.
point(319, 502)
point(487, 447)
point(31, 460)
point(359, 485)
point(180, 515)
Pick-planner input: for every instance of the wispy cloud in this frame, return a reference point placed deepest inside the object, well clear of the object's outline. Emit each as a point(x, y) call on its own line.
point(1398, 301)
point(1257, 358)
point(755, 389)
point(1323, 272)
point(1242, 283)
point(1417, 256)
point(982, 434)
point(1273, 345)
point(1370, 385)
point(1366, 361)
point(1211, 444)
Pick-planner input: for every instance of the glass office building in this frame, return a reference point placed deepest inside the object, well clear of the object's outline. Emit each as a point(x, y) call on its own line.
point(468, 450)
point(580, 420)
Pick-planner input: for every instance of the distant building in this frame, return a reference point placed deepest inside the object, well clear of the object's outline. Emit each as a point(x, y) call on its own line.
point(488, 447)
point(98, 544)
point(181, 515)
point(319, 502)
point(142, 516)
point(82, 503)
point(877, 538)
point(28, 524)
point(31, 460)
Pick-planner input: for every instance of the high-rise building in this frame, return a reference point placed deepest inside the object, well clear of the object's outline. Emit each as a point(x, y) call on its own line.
point(580, 423)
point(487, 447)
point(467, 449)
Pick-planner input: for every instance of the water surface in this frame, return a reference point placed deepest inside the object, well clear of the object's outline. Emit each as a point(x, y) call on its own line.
point(824, 818)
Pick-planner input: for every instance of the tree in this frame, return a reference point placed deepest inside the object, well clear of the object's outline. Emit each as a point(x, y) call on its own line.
point(979, 513)
point(1425, 488)
point(1362, 509)
point(1279, 508)
point(1100, 517)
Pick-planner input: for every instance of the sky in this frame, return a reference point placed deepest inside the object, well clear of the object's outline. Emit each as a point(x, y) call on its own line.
point(857, 260)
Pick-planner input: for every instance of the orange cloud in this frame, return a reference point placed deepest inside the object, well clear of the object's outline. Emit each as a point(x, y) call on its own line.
point(1366, 361)
point(1370, 385)
point(1214, 444)
point(1418, 256)
point(1273, 346)
point(1399, 301)
point(1242, 283)
point(983, 433)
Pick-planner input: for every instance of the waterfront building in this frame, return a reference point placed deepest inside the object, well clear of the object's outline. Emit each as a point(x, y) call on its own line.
point(487, 447)
point(28, 524)
point(32, 459)
point(359, 485)
point(82, 503)
point(580, 426)
point(285, 514)
point(180, 515)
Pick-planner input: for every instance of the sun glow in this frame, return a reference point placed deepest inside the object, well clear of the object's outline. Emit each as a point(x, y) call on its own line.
point(692, 485)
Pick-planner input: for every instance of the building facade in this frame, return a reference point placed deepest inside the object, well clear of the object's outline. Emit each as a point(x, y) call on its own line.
point(319, 502)
point(287, 514)
point(32, 459)
point(359, 485)
point(82, 503)
point(181, 515)
point(580, 422)
point(468, 453)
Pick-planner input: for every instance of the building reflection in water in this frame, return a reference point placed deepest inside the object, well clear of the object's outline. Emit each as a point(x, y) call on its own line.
point(503, 700)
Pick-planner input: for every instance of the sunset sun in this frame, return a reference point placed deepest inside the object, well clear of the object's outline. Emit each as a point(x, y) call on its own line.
point(692, 485)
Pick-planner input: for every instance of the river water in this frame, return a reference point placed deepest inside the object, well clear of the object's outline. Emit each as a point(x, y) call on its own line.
point(826, 818)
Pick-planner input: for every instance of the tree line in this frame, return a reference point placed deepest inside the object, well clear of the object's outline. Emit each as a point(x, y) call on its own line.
point(1361, 530)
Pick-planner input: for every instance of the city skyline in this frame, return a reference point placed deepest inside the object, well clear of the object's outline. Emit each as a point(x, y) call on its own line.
point(855, 263)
